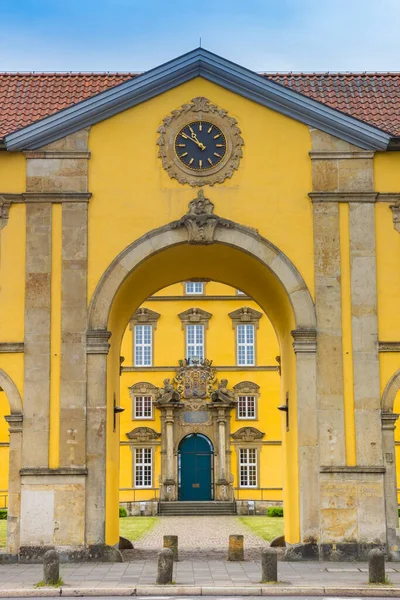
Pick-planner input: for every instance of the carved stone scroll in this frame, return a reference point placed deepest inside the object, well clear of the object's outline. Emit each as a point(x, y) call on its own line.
point(200, 221)
point(247, 434)
point(396, 215)
point(143, 434)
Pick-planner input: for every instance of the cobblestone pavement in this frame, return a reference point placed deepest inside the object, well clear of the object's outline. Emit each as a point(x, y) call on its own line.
point(213, 573)
point(199, 538)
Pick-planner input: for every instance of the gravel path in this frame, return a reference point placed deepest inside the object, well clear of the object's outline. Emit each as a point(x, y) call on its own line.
point(200, 538)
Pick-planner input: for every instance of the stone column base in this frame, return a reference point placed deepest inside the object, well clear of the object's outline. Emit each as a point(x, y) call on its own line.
point(346, 551)
point(223, 490)
point(169, 491)
point(95, 553)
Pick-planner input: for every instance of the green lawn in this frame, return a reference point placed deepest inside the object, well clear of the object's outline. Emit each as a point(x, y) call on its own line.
point(3, 532)
point(266, 527)
point(133, 528)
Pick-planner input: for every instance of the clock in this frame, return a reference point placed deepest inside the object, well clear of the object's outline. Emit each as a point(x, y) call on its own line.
point(200, 145)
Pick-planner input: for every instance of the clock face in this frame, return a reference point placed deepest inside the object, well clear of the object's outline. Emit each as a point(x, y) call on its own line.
point(200, 145)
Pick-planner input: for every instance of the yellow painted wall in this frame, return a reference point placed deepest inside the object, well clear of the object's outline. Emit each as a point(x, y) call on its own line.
point(12, 290)
point(132, 181)
point(387, 180)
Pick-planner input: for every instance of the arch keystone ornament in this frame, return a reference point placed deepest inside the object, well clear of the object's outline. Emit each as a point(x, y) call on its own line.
point(198, 118)
point(200, 221)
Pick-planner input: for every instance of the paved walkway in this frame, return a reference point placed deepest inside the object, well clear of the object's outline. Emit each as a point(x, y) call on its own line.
point(218, 575)
point(199, 538)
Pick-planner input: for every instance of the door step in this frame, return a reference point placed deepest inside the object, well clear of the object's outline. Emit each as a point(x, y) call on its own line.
point(196, 508)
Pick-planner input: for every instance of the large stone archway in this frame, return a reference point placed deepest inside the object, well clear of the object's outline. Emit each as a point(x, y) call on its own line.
point(15, 455)
point(203, 229)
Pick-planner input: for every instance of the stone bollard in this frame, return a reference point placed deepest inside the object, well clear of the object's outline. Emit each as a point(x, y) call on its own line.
point(236, 549)
point(165, 566)
point(269, 565)
point(376, 566)
point(51, 567)
point(171, 542)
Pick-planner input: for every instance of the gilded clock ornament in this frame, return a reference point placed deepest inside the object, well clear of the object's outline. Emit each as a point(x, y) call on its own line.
point(200, 144)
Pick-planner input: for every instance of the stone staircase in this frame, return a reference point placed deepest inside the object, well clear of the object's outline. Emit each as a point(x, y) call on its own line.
point(196, 509)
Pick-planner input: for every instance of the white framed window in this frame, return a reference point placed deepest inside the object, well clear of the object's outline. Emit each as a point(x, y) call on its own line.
point(143, 467)
point(195, 341)
point(248, 467)
point(245, 345)
point(143, 345)
point(194, 287)
point(143, 407)
point(246, 407)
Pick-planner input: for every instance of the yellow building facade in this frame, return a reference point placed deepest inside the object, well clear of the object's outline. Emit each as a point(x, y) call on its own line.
point(200, 170)
point(199, 320)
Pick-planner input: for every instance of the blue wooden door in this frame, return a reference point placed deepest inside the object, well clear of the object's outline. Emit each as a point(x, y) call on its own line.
point(195, 468)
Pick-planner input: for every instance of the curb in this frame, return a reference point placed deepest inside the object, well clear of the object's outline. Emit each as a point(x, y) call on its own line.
point(181, 590)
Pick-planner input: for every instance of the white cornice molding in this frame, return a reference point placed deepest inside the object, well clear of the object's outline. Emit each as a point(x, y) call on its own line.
point(197, 63)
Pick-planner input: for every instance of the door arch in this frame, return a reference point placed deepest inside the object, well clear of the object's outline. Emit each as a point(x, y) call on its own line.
point(195, 468)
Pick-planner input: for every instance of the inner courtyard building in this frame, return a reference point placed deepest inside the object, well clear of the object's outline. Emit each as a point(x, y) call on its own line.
point(199, 292)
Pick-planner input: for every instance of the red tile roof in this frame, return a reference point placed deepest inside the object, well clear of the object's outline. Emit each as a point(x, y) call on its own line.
point(370, 97)
point(28, 97)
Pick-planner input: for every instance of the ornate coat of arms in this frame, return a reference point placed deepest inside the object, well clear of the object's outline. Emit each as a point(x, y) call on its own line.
point(195, 379)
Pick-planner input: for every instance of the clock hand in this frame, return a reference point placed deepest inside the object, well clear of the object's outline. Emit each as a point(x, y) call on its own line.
point(193, 138)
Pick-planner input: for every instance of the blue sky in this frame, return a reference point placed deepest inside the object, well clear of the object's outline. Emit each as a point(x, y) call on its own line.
point(136, 35)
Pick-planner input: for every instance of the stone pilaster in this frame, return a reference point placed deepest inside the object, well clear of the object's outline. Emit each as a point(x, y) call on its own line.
point(329, 321)
point(37, 334)
point(305, 347)
point(365, 334)
point(73, 334)
point(221, 420)
point(170, 491)
point(14, 482)
point(390, 483)
point(97, 350)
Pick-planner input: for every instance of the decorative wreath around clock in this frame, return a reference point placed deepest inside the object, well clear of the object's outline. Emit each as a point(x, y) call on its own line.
point(200, 144)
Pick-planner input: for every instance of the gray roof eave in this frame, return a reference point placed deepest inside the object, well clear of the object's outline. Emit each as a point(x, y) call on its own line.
point(197, 63)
